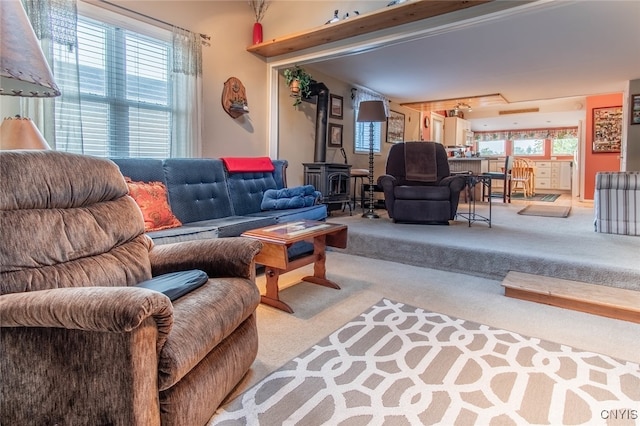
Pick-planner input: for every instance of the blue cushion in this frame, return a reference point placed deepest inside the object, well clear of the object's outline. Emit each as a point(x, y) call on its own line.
point(290, 198)
point(176, 284)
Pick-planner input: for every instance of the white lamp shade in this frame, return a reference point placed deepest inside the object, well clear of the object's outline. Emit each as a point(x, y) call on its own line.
point(371, 111)
point(20, 133)
point(23, 68)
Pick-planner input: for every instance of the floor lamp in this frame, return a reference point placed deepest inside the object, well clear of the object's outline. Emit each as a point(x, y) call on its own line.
point(23, 72)
point(371, 112)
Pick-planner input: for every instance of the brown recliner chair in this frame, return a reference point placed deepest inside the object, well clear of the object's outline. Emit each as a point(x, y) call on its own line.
point(79, 342)
point(418, 186)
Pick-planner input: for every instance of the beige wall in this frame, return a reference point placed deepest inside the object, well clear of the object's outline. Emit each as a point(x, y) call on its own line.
point(296, 135)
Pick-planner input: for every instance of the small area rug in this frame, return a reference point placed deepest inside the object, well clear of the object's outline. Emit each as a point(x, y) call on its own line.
point(547, 211)
point(537, 197)
point(400, 365)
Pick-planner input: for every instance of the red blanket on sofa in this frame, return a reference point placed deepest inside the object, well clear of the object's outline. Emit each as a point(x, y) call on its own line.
point(248, 164)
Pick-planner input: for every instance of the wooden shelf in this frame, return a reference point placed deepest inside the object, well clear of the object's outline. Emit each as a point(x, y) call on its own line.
point(387, 17)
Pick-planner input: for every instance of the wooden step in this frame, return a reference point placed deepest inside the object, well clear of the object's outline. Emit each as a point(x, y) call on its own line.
point(595, 299)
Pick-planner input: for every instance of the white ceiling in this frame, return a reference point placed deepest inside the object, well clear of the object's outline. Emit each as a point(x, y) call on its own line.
point(544, 54)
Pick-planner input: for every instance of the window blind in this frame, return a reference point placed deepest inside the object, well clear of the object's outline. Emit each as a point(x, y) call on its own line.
point(362, 136)
point(125, 92)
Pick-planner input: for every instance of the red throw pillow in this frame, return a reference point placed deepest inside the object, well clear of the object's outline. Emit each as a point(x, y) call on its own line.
point(151, 197)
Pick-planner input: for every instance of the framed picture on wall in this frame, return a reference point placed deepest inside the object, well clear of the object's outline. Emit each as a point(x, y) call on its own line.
point(607, 129)
point(335, 106)
point(335, 135)
point(395, 127)
point(635, 109)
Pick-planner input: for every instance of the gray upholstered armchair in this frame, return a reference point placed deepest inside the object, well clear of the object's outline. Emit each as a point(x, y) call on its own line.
point(79, 342)
point(418, 186)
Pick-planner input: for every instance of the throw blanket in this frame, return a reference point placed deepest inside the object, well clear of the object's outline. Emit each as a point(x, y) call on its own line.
point(290, 198)
point(248, 164)
point(420, 161)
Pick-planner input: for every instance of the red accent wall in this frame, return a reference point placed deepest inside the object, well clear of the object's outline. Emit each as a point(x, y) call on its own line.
point(594, 163)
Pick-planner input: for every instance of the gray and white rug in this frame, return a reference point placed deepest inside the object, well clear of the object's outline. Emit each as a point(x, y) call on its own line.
point(400, 365)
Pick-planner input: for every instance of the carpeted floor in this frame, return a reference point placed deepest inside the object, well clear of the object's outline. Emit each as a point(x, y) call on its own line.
point(466, 287)
point(567, 248)
point(401, 365)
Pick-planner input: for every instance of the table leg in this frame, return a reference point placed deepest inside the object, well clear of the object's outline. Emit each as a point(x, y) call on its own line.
point(272, 296)
point(319, 265)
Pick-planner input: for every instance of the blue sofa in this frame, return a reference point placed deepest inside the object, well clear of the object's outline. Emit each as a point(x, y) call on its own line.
point(211, 202)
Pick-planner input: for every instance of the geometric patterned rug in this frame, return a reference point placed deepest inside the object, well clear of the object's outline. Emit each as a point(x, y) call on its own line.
point(400, 365)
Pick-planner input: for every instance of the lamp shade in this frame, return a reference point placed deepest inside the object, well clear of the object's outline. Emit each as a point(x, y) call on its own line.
point(20, 133)
point(371, 111)
point(23, 68)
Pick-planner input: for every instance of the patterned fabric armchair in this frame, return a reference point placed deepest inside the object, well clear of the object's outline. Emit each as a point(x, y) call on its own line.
point(617, 203)
point(79, 342)
point(426, 194)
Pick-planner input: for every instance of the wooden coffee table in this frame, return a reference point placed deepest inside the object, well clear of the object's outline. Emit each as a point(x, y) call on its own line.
point(275, 241)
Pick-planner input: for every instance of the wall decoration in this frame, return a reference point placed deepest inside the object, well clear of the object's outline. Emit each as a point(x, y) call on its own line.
point(335, 106)
point(635, 109)
point(335, 135)
point(395, 127)
point(607, 129)
point(234, 98)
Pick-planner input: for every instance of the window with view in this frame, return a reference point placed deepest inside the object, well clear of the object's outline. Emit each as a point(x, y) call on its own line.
point(125, 92)
point(362, 136)
point(565, 146)
point(491, 148)
point(528, 147)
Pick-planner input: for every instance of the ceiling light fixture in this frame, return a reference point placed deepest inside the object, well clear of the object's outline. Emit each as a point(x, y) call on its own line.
point(462, 105)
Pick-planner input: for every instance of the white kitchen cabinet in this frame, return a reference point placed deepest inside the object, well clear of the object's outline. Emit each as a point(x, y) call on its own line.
point(553, 175)
point(457, 132)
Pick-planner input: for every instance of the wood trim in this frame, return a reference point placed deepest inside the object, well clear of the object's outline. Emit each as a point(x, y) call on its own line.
point(387, 17)
point(611, 302)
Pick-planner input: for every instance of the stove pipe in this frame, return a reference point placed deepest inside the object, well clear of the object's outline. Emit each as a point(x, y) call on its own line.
point(322, 108)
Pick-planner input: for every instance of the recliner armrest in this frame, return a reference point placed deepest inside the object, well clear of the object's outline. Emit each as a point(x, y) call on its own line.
point(387, 180)
point(100, 309)
point(220, 257)
point(456, 183)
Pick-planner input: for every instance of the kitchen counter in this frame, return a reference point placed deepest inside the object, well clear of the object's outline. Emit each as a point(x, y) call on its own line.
point(475, 165)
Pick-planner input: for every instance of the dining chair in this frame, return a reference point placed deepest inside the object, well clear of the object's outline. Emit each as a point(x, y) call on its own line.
point(505, 177)
point(521, 177)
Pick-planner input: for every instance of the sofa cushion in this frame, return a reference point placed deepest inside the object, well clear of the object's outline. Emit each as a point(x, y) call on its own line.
point(316, 212)
point(201, 322)
point(151, 197)
point(233, 226)
point(176, 284)
point(186, 232)
point(197, 189)
point(247, 190)
point(141, 169)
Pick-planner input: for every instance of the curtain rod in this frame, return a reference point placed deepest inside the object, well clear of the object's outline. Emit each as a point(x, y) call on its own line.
point(205, 38)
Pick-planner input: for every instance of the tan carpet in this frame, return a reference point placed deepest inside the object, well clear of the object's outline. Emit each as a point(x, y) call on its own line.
point(397, 364)
point(546, 211)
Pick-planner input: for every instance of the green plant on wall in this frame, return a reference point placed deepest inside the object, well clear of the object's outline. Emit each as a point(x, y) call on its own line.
point(299, 82)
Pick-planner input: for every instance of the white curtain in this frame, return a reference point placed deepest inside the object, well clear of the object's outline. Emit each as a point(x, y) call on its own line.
point(55, 25)
point(360, 94)
point(186, 134)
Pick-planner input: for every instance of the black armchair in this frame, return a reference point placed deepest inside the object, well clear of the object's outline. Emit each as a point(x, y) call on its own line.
point(418, 186)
